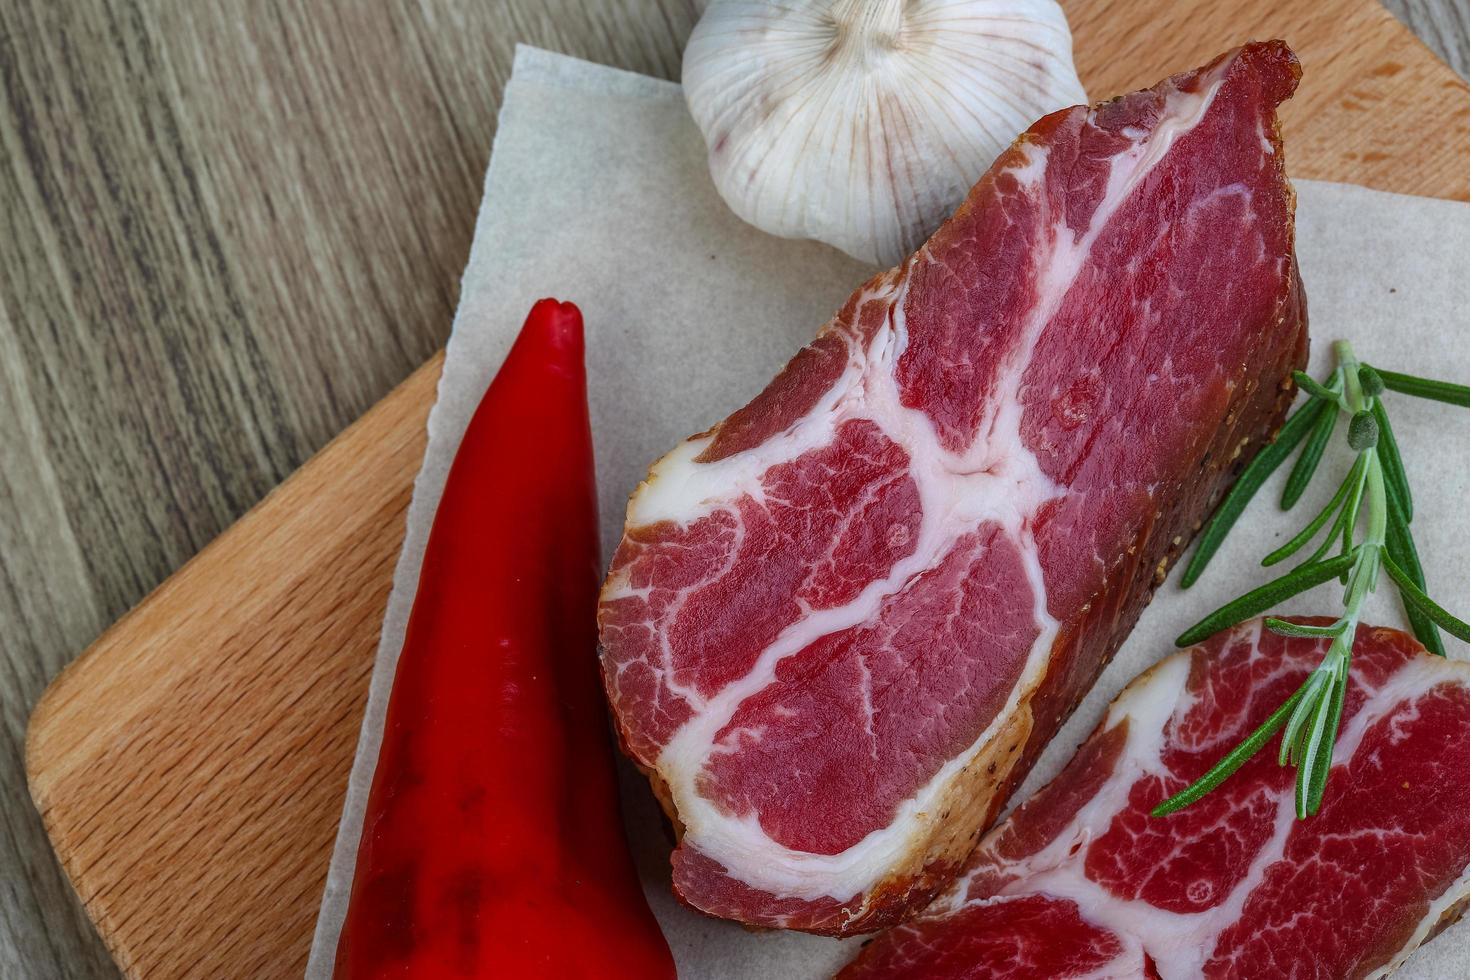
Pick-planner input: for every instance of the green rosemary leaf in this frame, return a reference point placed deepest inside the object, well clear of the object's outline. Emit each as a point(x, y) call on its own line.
point(1399, 518)
point(1423, 627)
point(1415, 595)
point(1355, 477)
point(1316, 389)
point(1282, 627)
point(1400, 544)
point(1317, 784)
point(1316, 752)
point(1306, 463)
point(1349, 516)
point(1440, 391)
point(1257, 601)
point(1370, 381)
point(1293, 740)
point(1393, 463)
point(1363, 431)
point(1310, 531)
point(1227, 766)
point(1246, 485)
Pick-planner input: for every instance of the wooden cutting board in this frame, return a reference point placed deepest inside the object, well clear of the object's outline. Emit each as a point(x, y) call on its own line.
point(190, 766)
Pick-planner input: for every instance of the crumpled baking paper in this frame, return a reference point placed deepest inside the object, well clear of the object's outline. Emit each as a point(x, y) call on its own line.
point(598, 193)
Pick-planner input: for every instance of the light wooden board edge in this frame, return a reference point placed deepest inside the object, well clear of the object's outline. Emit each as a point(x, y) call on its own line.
point(365, 476)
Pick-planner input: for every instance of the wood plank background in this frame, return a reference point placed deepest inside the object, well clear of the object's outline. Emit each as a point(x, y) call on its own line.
point(225, 231)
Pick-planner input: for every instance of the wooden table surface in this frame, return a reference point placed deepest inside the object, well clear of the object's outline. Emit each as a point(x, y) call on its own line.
point(225, 231)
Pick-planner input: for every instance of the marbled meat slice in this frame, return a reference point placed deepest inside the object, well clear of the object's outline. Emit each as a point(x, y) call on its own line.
point(842, 622)
point(1232, 888)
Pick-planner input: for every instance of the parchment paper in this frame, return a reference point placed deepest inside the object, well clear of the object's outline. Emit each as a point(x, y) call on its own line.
point(598, 193)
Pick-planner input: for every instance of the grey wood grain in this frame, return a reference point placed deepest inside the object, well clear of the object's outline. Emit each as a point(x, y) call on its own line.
point(225, 231)
point(1444, 25)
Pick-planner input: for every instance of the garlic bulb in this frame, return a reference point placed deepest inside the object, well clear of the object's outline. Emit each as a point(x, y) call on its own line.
point(863, 123)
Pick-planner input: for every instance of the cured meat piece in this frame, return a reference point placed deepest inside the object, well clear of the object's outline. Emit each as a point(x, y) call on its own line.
point(1081, 881)
point(842, 622)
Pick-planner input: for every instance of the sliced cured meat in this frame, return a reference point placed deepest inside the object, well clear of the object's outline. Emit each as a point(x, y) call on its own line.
point(842, 622)
point(1233, 887)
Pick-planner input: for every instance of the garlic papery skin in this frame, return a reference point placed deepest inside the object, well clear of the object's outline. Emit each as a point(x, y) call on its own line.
point(863, 123)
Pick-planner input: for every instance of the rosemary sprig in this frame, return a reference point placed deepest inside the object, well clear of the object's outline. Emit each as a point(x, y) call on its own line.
point(1309, 719)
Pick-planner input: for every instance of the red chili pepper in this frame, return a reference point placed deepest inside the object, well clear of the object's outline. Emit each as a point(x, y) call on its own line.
point(493, 844)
